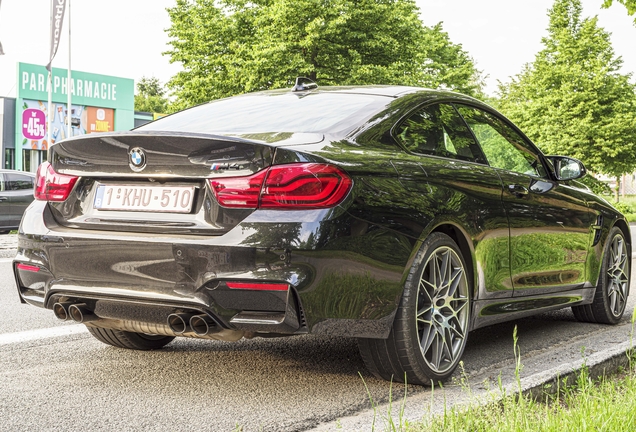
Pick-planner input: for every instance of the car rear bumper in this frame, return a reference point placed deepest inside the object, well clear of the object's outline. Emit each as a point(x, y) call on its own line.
point(135, 283)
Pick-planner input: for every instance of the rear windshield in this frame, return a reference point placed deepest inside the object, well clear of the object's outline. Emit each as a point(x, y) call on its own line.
point(286, 112)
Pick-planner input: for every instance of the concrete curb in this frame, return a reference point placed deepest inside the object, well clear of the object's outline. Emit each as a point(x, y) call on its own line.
point(423, 405)
point(598, 364)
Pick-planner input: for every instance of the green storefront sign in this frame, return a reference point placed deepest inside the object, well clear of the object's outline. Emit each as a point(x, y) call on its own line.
point(99, 103)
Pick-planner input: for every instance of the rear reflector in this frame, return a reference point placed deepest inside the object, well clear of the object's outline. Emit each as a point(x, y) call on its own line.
point(291, 186)
point(257, 286)
point(52, 186)
point(27, 267)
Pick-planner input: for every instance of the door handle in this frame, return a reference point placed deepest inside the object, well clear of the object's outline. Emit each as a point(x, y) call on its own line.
point(517, 190)
point(3, 198)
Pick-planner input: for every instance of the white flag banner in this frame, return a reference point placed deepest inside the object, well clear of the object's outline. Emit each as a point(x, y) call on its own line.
point(1, 51)
point(57, 18)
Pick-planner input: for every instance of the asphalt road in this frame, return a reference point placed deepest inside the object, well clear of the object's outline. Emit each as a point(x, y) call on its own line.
point(55, 376)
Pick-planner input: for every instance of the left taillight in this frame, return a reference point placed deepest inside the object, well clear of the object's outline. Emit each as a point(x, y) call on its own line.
point(52, 186)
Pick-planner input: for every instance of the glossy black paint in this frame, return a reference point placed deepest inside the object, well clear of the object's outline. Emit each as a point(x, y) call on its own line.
point(346, 266)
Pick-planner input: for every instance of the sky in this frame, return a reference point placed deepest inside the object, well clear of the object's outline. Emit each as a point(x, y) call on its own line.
point(126, 38)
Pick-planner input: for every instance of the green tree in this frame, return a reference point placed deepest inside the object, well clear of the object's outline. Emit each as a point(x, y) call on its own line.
point(573, 100)
point(150, 96)
point(629, 4)
point(229, 47)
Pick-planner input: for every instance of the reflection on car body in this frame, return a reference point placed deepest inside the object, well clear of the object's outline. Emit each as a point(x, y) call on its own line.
point(401, 216)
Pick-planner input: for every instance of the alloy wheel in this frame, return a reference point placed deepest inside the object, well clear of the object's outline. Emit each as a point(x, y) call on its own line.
point(442, 310)
point(617, 275)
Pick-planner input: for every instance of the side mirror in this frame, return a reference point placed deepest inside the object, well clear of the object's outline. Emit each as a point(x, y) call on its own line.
point(567, 168)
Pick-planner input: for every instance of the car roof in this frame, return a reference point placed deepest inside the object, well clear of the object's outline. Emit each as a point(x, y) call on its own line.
point(8, 171)
point(374, 90)
point(389, 91)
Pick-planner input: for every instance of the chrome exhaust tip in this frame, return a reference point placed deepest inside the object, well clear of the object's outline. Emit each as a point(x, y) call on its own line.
point(179, 322)
point(81, 314)
point(202, 324)
point(60, 310)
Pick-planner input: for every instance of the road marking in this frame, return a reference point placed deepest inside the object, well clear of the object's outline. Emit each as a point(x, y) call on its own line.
point(6, 260)
point(45, 333)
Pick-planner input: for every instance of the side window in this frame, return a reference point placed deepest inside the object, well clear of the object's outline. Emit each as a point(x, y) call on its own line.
point(18, 182)
point(438, 130)
point(503, 146)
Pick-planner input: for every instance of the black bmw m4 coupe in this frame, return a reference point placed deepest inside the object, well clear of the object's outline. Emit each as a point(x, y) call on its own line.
point(401, 216)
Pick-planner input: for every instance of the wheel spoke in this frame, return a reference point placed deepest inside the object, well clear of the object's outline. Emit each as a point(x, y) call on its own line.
point(463, 302)
point(454, 281)
point(425, 291)
point(437, 275)
point(445, 267)
point(612, 298)
point(447, 351)
point(457, 329)
point(428, 337)
point(426, 309)
point(436, 351)
point(439, 350)
point(621, 294)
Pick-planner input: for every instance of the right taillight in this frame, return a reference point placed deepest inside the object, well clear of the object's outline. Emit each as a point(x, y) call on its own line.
point(304, 185)
point(285, 187)
point(52, 186)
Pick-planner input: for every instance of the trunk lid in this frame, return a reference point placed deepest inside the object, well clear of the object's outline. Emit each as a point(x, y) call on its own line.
point(127, 170)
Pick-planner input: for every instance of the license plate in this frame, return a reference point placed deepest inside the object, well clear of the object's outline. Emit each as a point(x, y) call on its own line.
point(170, 199)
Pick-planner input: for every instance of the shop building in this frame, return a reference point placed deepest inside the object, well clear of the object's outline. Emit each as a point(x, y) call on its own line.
point(99, 103)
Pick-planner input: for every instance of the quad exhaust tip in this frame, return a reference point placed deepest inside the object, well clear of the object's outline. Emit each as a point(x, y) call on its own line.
point(179, 323)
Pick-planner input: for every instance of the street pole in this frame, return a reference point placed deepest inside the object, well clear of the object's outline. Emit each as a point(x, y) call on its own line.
point(49, 113)
point(68, 82)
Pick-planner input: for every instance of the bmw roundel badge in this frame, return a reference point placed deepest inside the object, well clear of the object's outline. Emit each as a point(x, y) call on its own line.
point(137, 159)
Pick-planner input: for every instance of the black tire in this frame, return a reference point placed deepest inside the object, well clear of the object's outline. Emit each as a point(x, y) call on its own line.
point(129, 340)
point(430, 329)
point(612, 289)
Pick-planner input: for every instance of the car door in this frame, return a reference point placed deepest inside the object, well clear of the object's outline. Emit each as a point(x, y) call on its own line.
point(20, 194)
point(549, 221)
point(448, 172)
point(5, 211)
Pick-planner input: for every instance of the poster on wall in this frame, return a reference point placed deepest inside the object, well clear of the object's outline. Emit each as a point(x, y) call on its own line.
point(84, 120)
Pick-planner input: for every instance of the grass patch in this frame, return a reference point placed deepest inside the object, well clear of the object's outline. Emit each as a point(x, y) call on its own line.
point(607, 404)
